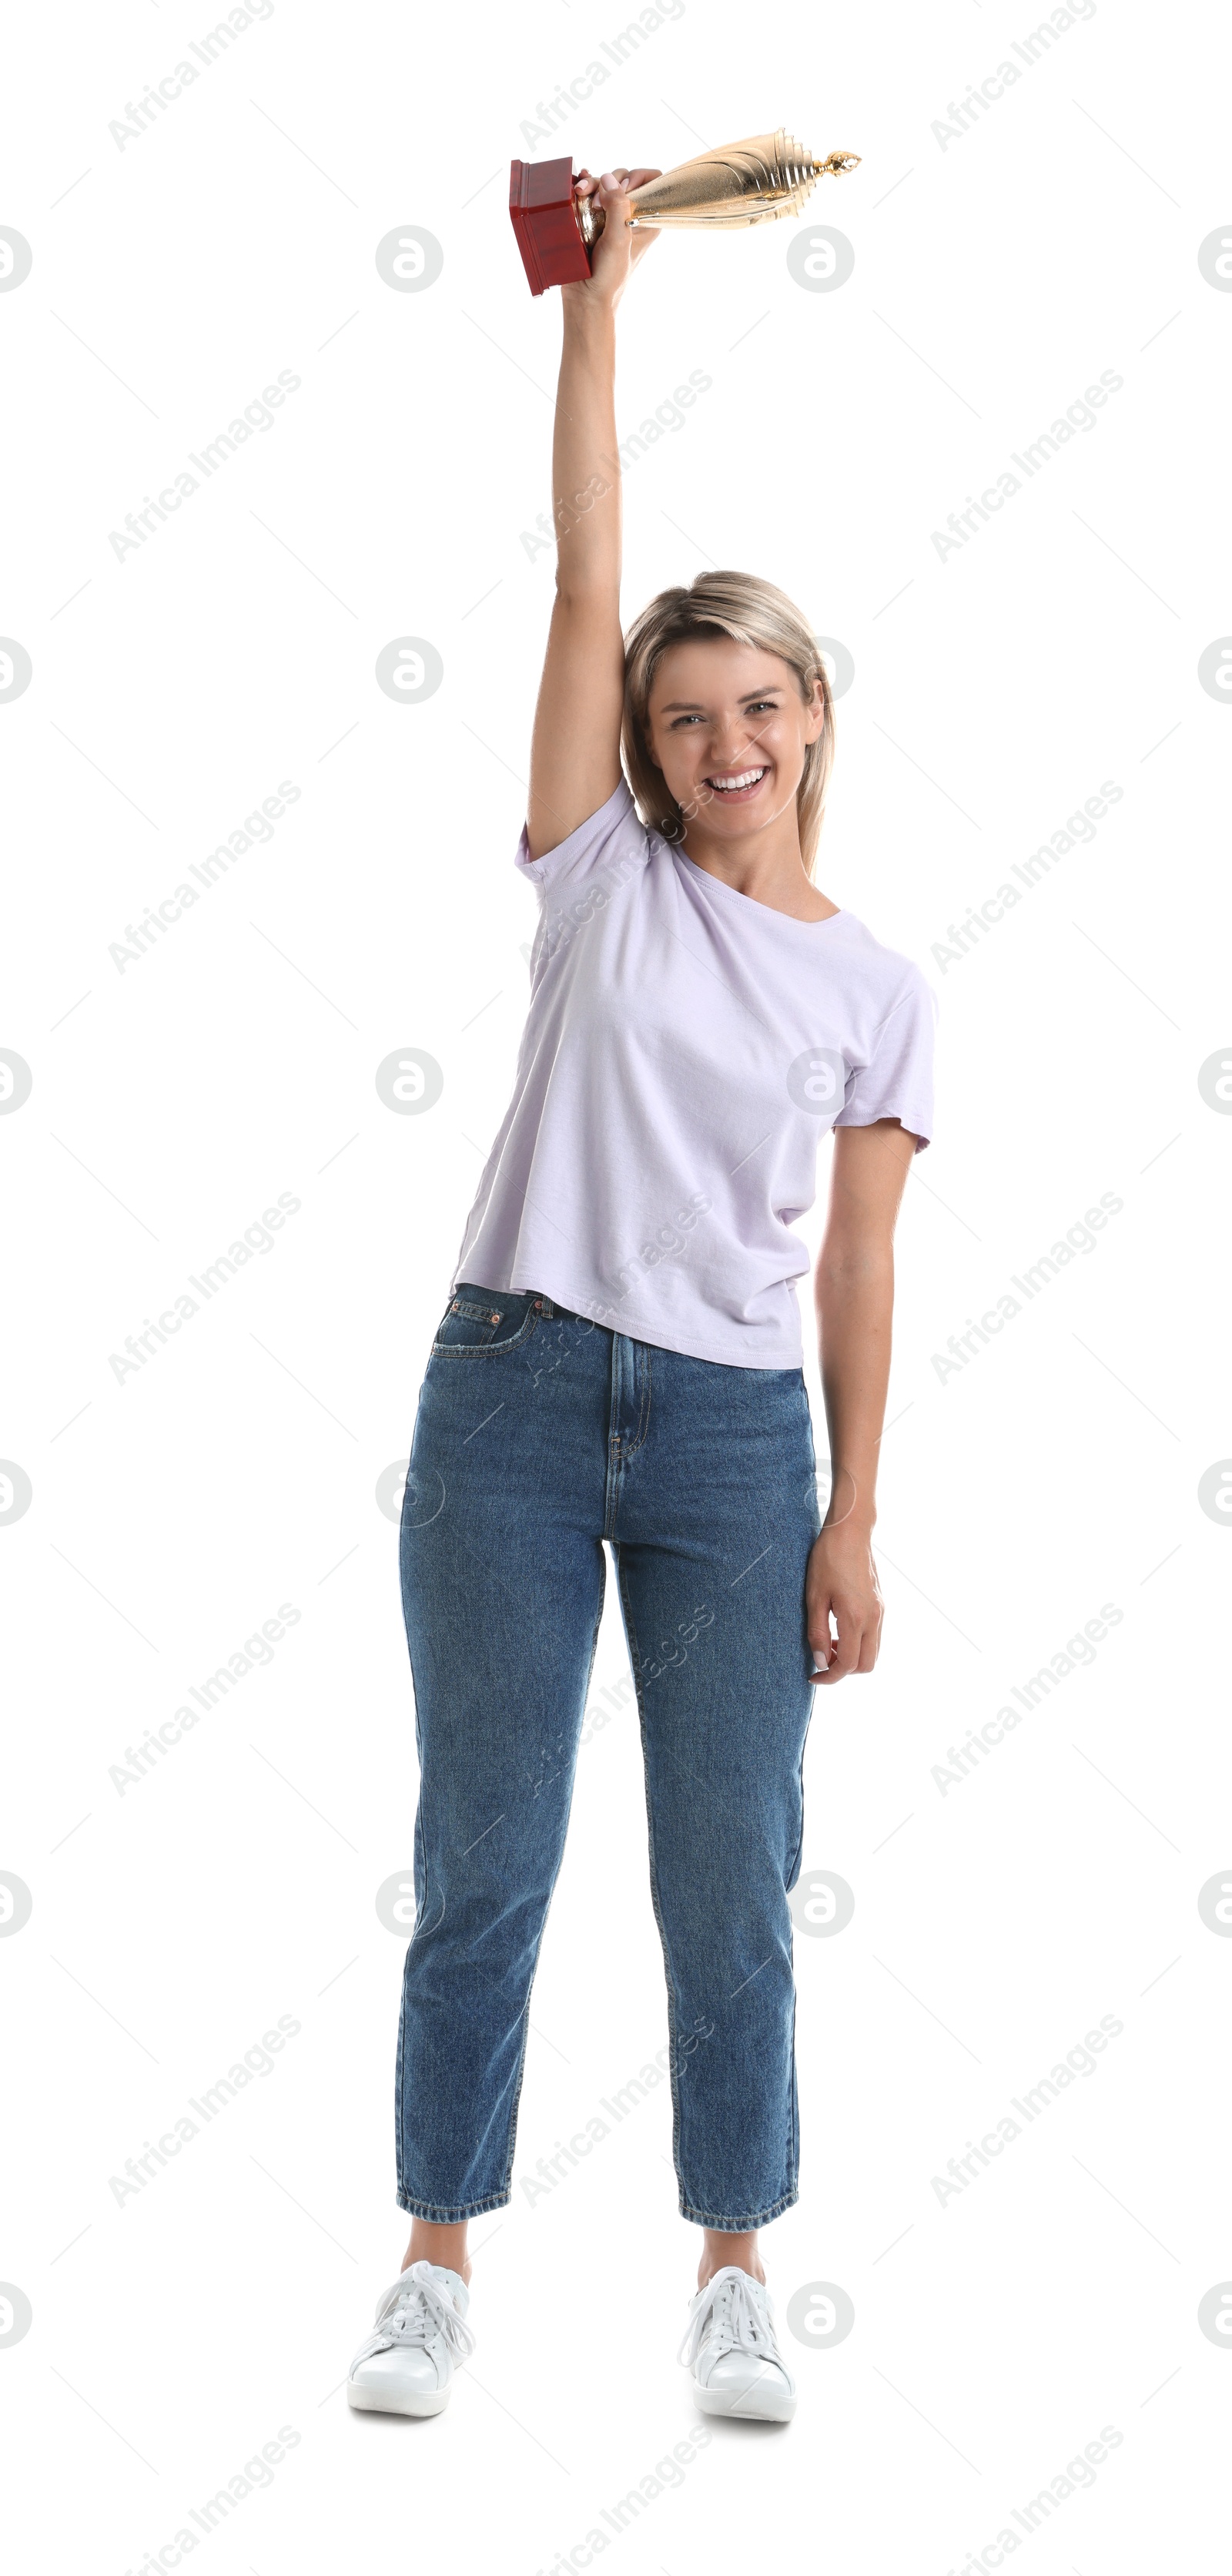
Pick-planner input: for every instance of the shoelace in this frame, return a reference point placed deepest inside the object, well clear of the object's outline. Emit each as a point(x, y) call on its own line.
point(420, 2310)
point(732, 2320)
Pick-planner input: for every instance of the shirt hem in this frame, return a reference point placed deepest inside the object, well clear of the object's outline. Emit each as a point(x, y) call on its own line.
point(616, 808)
point(909, 1120)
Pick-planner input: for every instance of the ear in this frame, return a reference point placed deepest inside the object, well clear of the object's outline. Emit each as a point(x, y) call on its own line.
point(816, 715)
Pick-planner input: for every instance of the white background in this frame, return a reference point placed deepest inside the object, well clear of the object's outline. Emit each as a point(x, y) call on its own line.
point(995, 690)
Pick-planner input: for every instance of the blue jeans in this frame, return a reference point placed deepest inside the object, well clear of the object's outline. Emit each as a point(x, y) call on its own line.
point(538, 1436)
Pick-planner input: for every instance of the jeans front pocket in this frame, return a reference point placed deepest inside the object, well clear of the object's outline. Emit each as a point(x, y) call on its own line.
point(484, 1322)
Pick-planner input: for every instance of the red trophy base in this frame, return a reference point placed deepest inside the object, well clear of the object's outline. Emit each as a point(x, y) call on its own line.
point(543, 211)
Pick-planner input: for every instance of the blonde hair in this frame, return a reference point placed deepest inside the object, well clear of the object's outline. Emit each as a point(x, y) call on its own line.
point(751, 612)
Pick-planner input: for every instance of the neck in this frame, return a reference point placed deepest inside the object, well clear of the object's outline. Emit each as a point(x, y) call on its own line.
point(766, 865)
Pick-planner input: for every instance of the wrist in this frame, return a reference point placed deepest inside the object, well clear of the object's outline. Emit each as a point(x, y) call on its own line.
point(589, 313)
point(853, 1502)
point(852, 1506)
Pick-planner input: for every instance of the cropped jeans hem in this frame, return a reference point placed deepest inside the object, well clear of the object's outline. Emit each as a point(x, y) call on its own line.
point(739, 2226)
point(438, 2217)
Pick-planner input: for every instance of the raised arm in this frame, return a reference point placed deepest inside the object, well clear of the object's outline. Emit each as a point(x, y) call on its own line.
point(575, 747)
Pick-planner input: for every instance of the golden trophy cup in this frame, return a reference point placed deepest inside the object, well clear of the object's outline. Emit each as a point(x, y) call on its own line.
point(753, 182)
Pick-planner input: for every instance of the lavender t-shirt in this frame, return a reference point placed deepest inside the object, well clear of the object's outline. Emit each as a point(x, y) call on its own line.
point(685, 1049)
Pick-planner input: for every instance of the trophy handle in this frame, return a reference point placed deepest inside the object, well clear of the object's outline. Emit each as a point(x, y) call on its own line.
point(590, 220)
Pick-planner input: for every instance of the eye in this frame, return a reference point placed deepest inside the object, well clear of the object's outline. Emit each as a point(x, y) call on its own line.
point(678, 721)
point(764, 706)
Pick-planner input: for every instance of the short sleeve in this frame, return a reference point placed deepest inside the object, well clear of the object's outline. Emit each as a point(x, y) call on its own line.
point(601, 855)
point(897, 1081)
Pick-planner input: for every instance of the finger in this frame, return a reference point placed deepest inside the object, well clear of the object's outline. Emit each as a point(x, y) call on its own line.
point(817, 1629)
point(870, 1646)
point(641, 178)
point(846, 1656)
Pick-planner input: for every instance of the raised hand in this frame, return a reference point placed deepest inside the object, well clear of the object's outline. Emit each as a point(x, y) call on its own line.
point(618, 250)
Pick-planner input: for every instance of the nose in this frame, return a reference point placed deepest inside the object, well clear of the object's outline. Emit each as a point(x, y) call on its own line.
point(731, 743)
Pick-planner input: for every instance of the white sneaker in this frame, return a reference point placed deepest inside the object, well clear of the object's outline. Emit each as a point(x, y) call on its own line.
point(733, 2353)
point(407, 2365)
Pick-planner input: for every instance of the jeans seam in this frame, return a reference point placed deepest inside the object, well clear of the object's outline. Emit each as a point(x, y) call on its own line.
point(421, 1851)
point(793, 2142)
point(442, 2214)
point(507, 2182)
point(613, 1455)
point(793, 1872)
point(487, 1350)
point(643, 1419)
point(517, 2098)
point(631, 1632)
point(740, 2222)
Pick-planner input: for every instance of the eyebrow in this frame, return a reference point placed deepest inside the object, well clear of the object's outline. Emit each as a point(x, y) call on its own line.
point(693, 707)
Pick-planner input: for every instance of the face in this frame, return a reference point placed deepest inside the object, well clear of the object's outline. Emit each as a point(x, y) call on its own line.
point(729, 730)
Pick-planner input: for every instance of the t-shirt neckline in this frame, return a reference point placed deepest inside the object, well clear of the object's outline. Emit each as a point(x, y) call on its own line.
point(749, 902)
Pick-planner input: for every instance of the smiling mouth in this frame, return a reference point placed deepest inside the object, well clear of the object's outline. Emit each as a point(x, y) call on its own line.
point(734, 785)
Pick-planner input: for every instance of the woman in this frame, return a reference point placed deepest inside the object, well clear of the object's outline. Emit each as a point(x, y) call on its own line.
point(620, 1359)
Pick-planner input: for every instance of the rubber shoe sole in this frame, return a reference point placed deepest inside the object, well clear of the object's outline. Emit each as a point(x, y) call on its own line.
point(759, 2405)
point(398, 2401)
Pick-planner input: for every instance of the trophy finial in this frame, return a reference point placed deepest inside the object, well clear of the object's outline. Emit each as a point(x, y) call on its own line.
point(752, 182)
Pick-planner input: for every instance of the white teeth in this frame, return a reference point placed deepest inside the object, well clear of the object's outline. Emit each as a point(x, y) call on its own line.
point(746, 778)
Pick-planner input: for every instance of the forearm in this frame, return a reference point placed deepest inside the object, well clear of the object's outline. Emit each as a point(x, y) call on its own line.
point(585, 463)
point(855, 1303)
point(575, 745)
